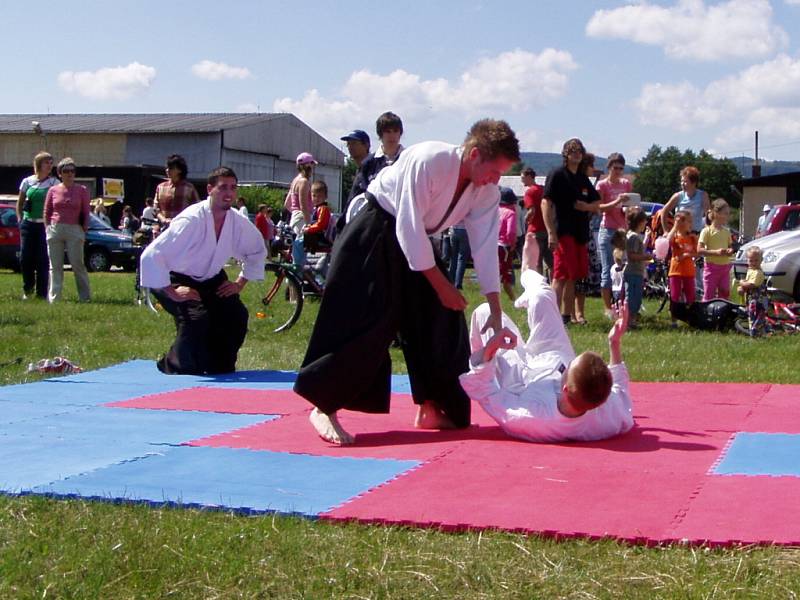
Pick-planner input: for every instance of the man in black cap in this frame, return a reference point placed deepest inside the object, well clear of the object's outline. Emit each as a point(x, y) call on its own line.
point(357, 145)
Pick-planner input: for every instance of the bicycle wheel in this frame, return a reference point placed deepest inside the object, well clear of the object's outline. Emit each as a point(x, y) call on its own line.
point(283, 300)
point(742, 325)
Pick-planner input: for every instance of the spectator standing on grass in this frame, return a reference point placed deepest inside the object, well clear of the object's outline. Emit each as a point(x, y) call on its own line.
point(716, 245)
point(298, 204)
point(536, 248)
point(66, 217)
point(683, 244)
point(590, 283)
point(149, 212)
point(185, 269)
point(265, 226)
point(610, 189)
point(129, 223)
point(693, 200)
point(459, 254)
point(389, 128)
point(385, 279)
point(241, 206)
point(99, 211)
point(568, 198)
point(175, 194)
point(507, 239)
point(637, 259)
point(33, 258)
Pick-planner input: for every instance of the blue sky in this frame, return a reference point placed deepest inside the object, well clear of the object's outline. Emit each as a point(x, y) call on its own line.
point(620, 75)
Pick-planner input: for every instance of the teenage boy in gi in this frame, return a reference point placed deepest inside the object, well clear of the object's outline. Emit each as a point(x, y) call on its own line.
point(184, 267)
point(539, 390)
point(385, 279)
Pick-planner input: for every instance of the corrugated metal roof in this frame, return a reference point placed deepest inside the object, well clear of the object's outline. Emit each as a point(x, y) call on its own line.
point(134, 123)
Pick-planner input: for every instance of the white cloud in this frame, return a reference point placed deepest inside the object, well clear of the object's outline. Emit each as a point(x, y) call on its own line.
point(215, 71)
point(247, 107)
point(763, 97)
point(690, 30)
point(109, 83)
point(511, 81)
point(793, 2)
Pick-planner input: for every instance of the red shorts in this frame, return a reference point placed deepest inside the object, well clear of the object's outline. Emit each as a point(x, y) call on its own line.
point(506, 264)
point(570, 260)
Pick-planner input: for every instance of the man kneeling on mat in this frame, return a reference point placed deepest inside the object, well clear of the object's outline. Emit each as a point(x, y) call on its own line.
point(539, 390)
point(184, 267)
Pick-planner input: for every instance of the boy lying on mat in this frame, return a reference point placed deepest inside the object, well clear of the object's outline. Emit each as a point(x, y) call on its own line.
point(539, 390)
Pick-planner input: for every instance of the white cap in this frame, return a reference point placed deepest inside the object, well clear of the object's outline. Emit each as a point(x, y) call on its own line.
point(766, 208)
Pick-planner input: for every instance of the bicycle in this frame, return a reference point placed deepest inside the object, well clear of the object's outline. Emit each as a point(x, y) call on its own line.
point(770, 312)
point(287, 285)
point(146, 234)
point(656, 284)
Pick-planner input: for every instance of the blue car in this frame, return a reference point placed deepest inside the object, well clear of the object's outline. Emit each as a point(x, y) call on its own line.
point(106, 247)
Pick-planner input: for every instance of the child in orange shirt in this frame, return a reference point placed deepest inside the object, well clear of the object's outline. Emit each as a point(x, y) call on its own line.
point(683, 244)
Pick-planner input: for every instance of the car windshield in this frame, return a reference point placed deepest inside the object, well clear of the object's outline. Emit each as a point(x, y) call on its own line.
point(96, 223)
point(8, 217)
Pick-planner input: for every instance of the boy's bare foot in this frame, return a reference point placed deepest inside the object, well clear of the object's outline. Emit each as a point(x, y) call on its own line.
point(431, 417)
point(329, 428)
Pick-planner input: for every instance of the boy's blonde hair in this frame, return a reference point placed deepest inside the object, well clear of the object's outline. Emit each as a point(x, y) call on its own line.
point(754, 251)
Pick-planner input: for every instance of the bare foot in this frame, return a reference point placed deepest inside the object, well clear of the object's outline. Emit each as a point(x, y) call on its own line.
point(431, 417)
point(329, 428)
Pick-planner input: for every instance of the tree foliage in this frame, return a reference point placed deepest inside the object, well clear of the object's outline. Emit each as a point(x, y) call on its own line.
point(658, 176)
point(255, 195)
point(348, 174)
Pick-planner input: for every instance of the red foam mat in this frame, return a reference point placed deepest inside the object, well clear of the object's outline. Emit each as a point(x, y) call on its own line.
point(652, 485)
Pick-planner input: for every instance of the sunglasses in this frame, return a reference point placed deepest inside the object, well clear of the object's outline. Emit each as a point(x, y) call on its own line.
point(68, 170)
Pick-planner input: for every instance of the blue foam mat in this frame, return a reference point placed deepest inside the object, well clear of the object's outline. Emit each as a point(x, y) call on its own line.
point(141, 378)
point(234, 478)
point(761, 454)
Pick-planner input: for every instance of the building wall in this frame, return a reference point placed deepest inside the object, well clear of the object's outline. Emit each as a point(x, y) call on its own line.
point(86, 148)
point(753, 200)
point(283, 136)
point(202, 151)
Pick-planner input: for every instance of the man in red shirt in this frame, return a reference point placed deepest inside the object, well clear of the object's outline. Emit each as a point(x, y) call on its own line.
point(536, 249)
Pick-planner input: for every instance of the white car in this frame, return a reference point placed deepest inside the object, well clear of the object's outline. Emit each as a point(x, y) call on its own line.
point(781, 260)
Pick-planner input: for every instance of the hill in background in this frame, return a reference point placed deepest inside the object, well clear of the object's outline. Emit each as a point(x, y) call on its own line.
point(544, 162)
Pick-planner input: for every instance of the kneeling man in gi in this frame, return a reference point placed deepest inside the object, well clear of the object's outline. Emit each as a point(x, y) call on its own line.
point(539, 390)
point(184, 267)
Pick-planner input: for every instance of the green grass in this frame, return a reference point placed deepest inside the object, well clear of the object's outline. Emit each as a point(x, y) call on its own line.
point(74, 549)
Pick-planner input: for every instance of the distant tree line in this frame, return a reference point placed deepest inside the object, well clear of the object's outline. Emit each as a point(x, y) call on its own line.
point(658, 174)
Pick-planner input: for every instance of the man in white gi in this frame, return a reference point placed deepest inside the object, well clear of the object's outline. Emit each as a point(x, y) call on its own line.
point(184, 267)
point(385, 279)
point(540, 391)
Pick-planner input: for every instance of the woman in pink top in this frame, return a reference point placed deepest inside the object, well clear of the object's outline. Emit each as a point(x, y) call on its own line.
point(611, 190)
point(66, 218)
point(298, 203)
point(507, 239)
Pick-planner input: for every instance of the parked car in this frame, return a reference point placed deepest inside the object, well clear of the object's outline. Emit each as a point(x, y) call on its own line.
point(651, 207)
point(781, 260)
point(105, 246)
point(781, 217)
point(9, 233)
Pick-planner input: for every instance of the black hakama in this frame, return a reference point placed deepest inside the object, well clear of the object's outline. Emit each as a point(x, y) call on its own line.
point(209, 332)
point(370, 296)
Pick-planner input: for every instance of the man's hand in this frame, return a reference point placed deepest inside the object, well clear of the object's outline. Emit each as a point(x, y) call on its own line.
point(503, 338)
point(448, 295)
point(451, 298)
point(181, 293)
point(230, 288)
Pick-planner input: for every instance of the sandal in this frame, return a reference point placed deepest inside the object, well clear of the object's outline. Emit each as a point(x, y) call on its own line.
point(579, 321)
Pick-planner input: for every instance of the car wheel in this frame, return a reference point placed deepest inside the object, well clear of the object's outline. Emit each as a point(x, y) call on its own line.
point(98, 260)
